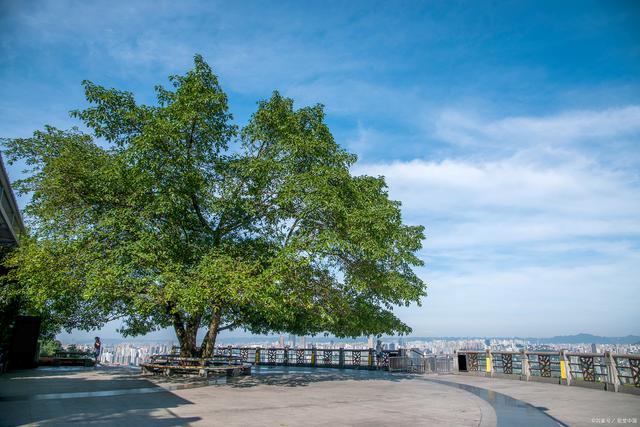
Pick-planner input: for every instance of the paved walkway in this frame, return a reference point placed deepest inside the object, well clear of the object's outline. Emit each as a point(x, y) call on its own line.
point(577, 406)
point(51, 397)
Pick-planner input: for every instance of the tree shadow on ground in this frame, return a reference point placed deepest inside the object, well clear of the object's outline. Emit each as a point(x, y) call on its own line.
point(25, 383)
point(63, 397)
point(301, 377)
point(277, 376)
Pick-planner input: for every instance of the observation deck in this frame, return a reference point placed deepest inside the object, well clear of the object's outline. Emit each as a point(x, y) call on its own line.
point(322, 394)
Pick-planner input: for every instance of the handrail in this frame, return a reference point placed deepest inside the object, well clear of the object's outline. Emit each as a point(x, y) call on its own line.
point(413, 350)
point(608, 371)
point(626, 356)
point(310, 357)
point(577, 353)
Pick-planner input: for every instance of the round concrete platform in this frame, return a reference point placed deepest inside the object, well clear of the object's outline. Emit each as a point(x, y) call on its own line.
point(277, 396)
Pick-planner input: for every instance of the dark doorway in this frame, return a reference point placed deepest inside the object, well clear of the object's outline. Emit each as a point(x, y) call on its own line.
point(23, 352)
point(462, 362)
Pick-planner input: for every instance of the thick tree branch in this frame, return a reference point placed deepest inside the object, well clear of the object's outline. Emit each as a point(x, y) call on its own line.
point(222, 227)
point(201, 218)
point(229, 326)
point(290, 233)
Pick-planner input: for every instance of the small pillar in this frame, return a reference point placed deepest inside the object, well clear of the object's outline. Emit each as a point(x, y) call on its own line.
point(489, 363)
point(257, 360)
point(526, 370)
point(370, 359)
point(341, 357)
point(313, 356)
point(613, 381)
point(565, 368)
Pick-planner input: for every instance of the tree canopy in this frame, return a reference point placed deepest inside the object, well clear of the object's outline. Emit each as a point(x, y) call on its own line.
point(170, 215)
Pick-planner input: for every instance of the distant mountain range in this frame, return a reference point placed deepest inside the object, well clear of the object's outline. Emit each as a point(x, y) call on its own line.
point(588, 338)
point(564, 339)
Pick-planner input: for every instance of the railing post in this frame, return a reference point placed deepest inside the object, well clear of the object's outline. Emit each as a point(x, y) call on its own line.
point(613, 381)
point(565, 368)
point(456, 368)
point(489, 363)
point(341, 357)
point(257, 360)
point(370, 359)
point(526, 370)
point(285, 356)
point(313, 356)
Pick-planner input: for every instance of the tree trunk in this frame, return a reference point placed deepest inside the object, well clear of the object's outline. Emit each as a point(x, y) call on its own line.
point(186, 334)
point(209, 341)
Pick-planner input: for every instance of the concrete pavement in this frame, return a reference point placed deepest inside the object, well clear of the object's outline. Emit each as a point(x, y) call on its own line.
point(287, 397)
point(575, 406)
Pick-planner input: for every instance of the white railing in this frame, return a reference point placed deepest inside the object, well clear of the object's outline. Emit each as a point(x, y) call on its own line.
point(607, 371)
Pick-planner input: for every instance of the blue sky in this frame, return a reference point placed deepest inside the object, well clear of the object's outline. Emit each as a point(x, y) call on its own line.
point(511, 130)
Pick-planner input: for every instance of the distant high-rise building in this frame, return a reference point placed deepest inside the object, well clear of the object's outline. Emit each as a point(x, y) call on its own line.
point(370, 342)
point(302, 342)
point(594, 349)
point(281, 342)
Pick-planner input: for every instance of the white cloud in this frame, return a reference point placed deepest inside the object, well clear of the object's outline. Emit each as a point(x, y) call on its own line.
point(528, 241)
point(464, 128)
point(531, 301)
point(508, 201)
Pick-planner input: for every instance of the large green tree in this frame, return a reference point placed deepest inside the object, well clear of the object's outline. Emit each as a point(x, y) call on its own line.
point(169, 215)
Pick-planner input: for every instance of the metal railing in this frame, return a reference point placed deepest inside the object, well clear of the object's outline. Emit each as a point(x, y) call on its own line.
point(311, 357)
point(608, 371)
point(413, 361)
point(589, 367)
point(404, 360)
point(627, 369)
point(507, 363)
point(441, 364)
point(421, 363)
point(544, 364)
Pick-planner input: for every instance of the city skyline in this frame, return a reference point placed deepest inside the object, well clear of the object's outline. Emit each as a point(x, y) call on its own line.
point(133, 354)
point(511, 133)
point(226, 339)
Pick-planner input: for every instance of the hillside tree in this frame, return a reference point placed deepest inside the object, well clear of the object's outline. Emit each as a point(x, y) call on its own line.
point(170, 215)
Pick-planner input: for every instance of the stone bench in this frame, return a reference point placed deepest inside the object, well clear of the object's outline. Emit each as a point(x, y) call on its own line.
point(171, 365)
point(67, 358)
